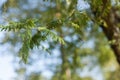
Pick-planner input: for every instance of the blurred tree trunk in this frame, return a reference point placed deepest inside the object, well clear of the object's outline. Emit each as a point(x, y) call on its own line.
point(113, 34)
point(111, 29)
point(64, 63)
point(107, 15)
point(65, 70)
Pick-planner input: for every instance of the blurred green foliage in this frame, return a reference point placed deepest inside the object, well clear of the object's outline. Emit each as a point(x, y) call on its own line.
point(76, 33)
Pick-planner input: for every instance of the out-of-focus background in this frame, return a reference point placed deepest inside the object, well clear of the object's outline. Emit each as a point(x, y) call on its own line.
point(86, 56)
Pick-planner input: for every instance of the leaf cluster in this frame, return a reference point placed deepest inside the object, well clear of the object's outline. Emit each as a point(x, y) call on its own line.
point(31, 35)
